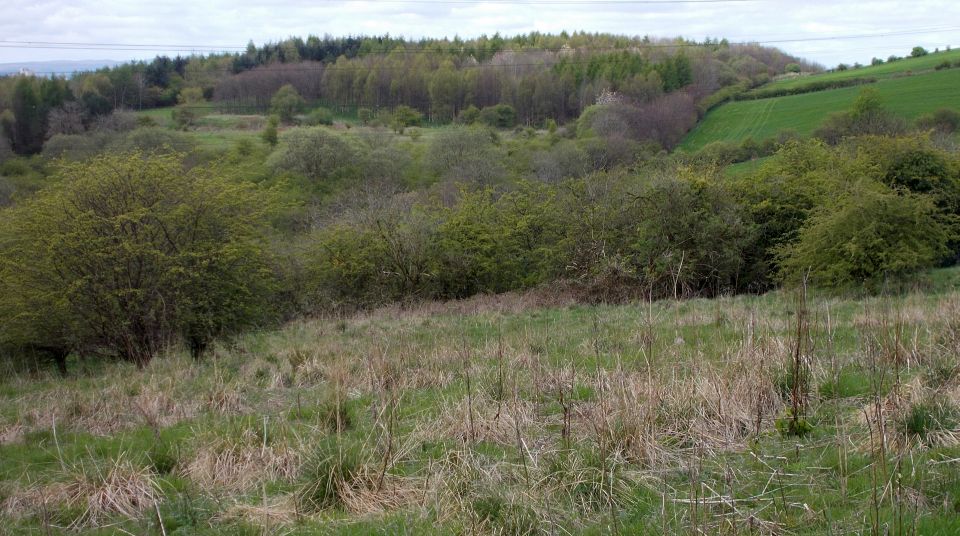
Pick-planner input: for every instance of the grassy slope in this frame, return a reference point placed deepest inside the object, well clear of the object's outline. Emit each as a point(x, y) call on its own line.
point(885, 70)
point(909, 96)
point(664, 404)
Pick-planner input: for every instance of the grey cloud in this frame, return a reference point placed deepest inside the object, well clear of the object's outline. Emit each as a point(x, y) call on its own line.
point(234, 23)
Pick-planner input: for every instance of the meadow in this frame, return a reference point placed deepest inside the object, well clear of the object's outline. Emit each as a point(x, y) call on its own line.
point(900, 67)
point(907, 96)
point(522, 413)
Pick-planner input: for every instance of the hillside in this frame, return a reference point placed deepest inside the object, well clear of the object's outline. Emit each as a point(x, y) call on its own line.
point(900, 67)
point(909, 87)
point(518, 414)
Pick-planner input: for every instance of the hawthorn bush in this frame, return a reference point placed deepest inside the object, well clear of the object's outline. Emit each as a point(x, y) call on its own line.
point(127, 253)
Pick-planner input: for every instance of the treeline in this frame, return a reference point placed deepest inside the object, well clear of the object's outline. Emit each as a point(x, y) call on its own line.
point(810, 87)
point(542, 77)
point(551, 81)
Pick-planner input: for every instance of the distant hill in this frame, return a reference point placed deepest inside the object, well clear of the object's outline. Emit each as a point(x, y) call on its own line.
point(64, 67)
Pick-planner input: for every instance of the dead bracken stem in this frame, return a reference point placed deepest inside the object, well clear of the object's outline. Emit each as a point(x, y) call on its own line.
point(798, 393)
point(466, 372)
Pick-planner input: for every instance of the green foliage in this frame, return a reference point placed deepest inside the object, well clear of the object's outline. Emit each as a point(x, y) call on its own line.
point(269, 133)
point(792, 68)
point(810, 87)
point(286, 103)
point(789, 426)
point(381, 255)
point(864, 236)
point(945, 120)
point(127, 253)
point(317, 154)
point(331, 468)
point(364, 115)
point(184, 116)
point(905, 96)
point(499, 116)
point(318, 116)
point(405, 116)
point(27, 129)
point(490, 243)
point(867, 117)
point(464, 154)
point(690, 237)
point(75, 146)
point(848, 383)
point(930, 416)
point(469, 115)
point(151, 140)
point(917, 52)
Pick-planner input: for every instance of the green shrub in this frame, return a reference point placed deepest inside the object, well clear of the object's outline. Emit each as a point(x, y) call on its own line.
point(405, 116)
point(498, 116)
point(127, 253)
point(864, 236)
point(317, 154)
point(810, 87)
point(318, 116)
point(286, 103)
point(75, 146)
point(944, 120)
point(151, 140)
point(184, 116)
point(867, 117)
point(469, 115)
point(464, 154)
point(269, 133)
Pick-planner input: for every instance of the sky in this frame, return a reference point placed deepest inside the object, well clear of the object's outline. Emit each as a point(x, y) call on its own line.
point(827, 32)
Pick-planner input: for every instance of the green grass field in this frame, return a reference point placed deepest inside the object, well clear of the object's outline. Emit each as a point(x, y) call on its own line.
point(885, 70)
point(511, 414)
point(908, 96)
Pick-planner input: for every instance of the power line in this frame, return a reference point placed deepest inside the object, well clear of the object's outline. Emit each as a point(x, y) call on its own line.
point(442, 43)
point(440, 53)
point(550, 2)
point(134, 45)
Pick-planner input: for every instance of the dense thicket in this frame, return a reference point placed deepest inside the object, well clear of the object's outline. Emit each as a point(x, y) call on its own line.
point(843, 216)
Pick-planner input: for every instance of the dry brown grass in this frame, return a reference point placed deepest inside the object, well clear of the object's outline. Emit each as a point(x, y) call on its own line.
point(368, 494)
point(486, 419)
point(100, 493)
point(11, 433)
point(103, 411)
point(269, 515)
point(240, 463)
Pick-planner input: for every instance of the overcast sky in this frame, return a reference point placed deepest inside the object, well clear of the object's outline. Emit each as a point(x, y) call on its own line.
point(199, 23)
